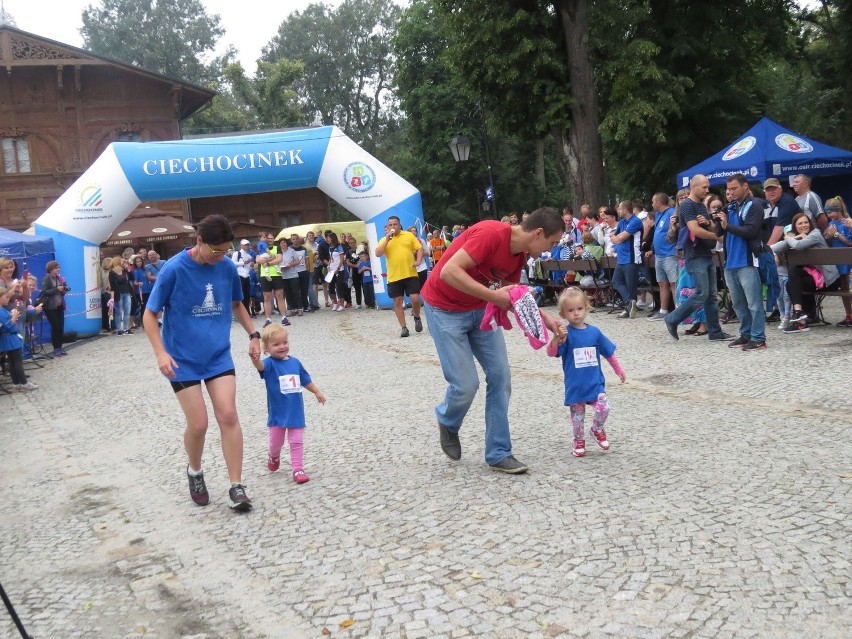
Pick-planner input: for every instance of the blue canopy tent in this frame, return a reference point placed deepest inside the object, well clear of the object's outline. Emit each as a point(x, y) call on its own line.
point(31, 253)
point(770, 150)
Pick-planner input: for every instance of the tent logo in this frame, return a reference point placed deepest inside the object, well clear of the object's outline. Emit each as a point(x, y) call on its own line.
point(740, 148)
point(791, 143)
point(359, 177)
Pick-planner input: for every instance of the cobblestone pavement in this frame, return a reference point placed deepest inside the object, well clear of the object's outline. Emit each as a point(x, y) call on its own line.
point(721, 510)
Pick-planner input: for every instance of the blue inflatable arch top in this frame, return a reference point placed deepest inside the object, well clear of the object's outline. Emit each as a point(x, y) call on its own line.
point(128, 173)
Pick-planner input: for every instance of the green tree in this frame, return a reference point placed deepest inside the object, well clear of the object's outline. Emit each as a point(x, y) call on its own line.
point(347, 61)
point(172, 37)
point(270, 97)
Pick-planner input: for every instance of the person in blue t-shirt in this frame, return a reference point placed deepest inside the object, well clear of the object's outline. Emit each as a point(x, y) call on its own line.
point(198, 292)
point(285, 377)
point(627, 241)
point(839, 235)
point(665, 258)
point(741, 226)
point(365, 271)
point(581, 349)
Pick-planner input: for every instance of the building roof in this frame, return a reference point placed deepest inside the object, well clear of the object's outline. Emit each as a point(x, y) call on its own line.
point(23, 49)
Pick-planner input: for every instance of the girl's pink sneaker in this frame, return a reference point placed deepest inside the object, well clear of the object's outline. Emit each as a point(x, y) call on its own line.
point(272, 463)
point(300, 477)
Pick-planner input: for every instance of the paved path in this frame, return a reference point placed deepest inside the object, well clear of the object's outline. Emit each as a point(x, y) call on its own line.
point(722, 509)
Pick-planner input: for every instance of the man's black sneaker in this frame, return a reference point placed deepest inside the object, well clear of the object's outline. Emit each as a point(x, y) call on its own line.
point(741, 341)
point(237, 498)
point(720, 337)
point(672, 329)
point(197, 488)
point(418, 324)
point(510, 465)
point(404, 332)
point(450, 443)
point(774, 316)
point(794, 328)
point(754, 346)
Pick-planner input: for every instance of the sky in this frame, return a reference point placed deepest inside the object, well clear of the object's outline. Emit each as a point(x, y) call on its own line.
point(249, 24)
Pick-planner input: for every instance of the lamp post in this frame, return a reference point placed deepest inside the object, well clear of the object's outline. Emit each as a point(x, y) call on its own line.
point(460, 147)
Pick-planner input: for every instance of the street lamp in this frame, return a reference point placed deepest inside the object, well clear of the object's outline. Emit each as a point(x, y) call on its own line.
point(460, 146)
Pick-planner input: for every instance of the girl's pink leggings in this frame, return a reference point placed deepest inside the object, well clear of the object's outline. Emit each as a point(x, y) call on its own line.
point(294, 438)
point(578, 415)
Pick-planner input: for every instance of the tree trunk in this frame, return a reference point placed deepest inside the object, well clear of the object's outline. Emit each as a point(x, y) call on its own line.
point(540, 180)
point(580, 148)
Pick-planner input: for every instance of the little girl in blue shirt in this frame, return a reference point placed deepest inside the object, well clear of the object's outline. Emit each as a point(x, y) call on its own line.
point(839, 235)
point(285, 378)
point(581, 349)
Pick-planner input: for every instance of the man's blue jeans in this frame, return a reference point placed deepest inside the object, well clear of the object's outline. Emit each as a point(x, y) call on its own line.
point(747, 300)
point(459, 340)
point(703, 273)
point(624, 280)
point(769, 276)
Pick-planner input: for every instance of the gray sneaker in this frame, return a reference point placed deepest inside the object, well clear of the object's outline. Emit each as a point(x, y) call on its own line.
point(404, 332)
point(720, 337)
point(659, 315)
point(197, 488)
point(632, 308)
point(237, 498)
point(510, 465)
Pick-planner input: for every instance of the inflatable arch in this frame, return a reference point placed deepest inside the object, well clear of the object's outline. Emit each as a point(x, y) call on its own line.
point(128, 173)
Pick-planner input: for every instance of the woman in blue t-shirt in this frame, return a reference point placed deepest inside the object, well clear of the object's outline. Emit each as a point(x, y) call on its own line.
point(198, 292)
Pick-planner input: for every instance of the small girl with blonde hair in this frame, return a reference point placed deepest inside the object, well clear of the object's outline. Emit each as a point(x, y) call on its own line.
point(838, 233)
point(285, 378)
point(581, 349)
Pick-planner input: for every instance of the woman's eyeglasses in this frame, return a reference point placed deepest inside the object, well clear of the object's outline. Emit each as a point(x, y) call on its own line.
point(216, 252)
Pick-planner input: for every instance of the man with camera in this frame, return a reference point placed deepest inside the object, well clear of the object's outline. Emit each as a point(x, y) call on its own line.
point(740, 224)
point(698, 253)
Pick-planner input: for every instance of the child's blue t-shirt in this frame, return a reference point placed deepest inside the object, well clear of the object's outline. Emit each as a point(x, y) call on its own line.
point(367, 273)
point(196, 303)
point(10, 339)
point(581, 362)
point(284, 380)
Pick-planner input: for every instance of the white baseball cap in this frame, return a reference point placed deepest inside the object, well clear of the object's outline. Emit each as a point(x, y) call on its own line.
point(244, 242)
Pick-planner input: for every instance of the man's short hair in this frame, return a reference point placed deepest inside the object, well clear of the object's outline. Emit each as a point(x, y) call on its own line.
point(545, 218)
point(737, 177)
point(638, 204)
point(661, 198)
point(805, 178)
point(394, 217)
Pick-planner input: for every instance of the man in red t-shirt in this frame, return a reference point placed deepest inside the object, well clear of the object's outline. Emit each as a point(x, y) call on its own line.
point(481, 266)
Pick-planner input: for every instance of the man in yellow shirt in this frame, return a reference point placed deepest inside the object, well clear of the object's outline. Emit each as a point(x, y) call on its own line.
point(403, 253)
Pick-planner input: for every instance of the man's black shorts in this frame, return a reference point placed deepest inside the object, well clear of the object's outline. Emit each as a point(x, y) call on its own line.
point(409, 286)
point(275, 284)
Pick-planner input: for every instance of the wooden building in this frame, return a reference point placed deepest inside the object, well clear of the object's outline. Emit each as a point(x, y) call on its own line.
point(61, 106)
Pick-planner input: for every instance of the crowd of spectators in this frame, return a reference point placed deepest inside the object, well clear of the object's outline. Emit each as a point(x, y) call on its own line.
point(742, 232)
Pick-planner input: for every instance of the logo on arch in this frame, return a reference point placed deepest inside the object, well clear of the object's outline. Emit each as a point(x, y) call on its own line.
point(792, 143)
point(740, 148)
point(359, 177)
point(91, 196)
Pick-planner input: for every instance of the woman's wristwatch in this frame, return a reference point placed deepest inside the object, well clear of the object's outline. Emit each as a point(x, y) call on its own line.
point(255, 335)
